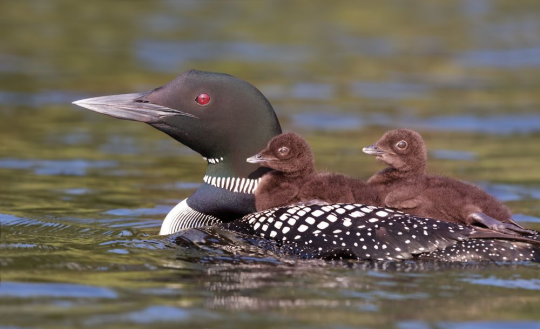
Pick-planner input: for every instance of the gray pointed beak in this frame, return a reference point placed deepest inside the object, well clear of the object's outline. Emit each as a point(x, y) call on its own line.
point(256, 159)
point(129, 107)
point(373, 150)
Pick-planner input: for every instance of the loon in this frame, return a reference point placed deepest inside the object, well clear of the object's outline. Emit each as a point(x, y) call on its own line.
point(294, 178)
point(226, 120)
point(218, 116)
point(405, 185)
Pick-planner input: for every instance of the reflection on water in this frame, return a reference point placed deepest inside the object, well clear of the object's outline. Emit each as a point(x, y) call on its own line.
point(82, 196)
point(60, 167)
point(22, 290)
point(525, 218)
point(505, 59)
point(157, 210)
point(507, 192)
point(163, 55)
point(38, 99)
point(453, 155)
point(389, 90)
point(510, 284)
point(498, 125)
point(469, 325)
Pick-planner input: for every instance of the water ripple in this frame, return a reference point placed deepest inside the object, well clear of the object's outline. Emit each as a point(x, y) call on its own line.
point(76, 167)
point(157, 210)
point(503, 59)
point(497, 124)
point(390, 90)
point(509, 192)
point(529, 284)
point(25, 290)
point(453, 155)
point(164, 55)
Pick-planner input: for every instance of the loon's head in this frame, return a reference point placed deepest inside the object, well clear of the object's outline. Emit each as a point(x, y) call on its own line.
point(288, 153)
point(402, 149)
point(217, 115)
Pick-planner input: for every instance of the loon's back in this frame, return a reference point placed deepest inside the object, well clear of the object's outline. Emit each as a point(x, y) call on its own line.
point(355, 231)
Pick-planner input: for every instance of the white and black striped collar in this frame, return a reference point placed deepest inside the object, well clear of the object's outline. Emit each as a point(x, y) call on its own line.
point(213, 160)
point(233, 184)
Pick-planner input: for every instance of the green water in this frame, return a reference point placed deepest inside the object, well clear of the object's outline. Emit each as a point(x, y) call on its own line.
point(82, 195)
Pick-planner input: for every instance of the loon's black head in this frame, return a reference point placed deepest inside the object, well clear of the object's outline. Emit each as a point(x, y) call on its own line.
point(288, 153)
point(214, 114)
point(402, 149)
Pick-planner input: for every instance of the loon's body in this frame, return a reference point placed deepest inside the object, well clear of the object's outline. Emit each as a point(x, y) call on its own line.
point(405, 185)
point(226, 120)
point(294, 178)
point(360, 232)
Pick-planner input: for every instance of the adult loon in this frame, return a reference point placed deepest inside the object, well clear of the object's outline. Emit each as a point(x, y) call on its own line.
point(227, 120)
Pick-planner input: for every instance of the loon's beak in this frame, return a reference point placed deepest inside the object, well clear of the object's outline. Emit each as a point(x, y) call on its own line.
point(129, 107)
point(258, 158)
point(373, 150)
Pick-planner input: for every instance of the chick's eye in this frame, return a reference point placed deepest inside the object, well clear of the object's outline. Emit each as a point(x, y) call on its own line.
point(283, 150)
point(402, 145)
point(203, 99)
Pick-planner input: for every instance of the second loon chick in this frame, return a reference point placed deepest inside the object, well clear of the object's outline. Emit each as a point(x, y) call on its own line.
point(294, 178)
point(405, 185)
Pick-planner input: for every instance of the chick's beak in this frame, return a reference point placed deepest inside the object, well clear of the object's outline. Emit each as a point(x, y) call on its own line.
point(373, 150)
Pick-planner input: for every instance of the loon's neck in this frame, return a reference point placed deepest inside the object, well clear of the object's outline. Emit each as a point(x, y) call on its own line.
point(227, 193)
point(228, 189)
point(234, 174)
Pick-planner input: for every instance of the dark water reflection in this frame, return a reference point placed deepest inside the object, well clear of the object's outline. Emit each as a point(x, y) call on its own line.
point(82, 196)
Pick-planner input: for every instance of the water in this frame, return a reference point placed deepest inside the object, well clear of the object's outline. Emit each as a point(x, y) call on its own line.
point(82, 195)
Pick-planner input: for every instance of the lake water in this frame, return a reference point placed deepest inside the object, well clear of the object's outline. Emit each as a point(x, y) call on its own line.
point(82, 195)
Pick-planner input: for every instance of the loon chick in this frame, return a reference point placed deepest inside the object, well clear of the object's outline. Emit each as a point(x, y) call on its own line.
point(294, 178)
point(405, 185)
point(226, 120)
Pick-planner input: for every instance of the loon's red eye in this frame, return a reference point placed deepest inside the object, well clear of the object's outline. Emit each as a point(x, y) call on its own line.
point(203, 99)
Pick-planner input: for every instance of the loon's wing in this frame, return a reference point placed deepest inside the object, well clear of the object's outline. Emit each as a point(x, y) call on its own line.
point(493, 250)
point(355, 231)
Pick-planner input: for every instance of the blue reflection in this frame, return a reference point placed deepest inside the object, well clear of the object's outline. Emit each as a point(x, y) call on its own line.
point(25, 290)
point(38, 99)
point(389, 90)
point(504, 59)
point(453, 155)
point(56, 167)
point(529, 284)
point(166, 55)
point(157, 210)
point(496, 124)
point(158, 314)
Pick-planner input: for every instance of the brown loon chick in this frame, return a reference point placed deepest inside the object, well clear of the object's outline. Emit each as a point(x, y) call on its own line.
point(405, 185)
point(294, 179)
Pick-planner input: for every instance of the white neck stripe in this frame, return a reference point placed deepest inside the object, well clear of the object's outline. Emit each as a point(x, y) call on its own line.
point(213, 160)
point(234, 184)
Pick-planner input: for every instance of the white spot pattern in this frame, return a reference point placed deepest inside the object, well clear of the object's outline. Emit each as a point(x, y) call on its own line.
point(384, 234)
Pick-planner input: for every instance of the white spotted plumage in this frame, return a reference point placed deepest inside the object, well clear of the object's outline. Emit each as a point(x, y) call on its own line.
point(368, 232)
